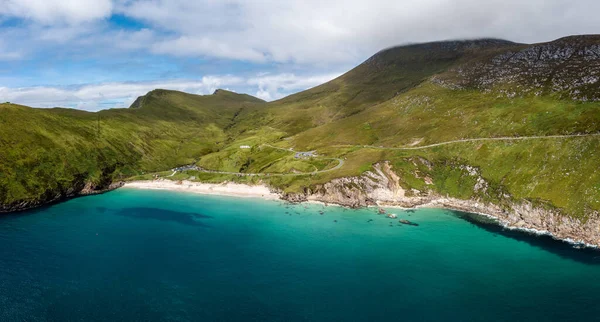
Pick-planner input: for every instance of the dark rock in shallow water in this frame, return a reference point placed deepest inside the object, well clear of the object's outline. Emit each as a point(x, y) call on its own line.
point(406, 222)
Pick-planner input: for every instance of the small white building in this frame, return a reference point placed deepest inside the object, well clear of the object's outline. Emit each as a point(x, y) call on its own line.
point(245, 147)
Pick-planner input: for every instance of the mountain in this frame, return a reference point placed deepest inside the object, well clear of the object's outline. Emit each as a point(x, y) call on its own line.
point(380, 78)
point(482, 125)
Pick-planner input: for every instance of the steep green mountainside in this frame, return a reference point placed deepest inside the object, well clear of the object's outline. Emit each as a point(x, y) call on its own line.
point(396, 106)
point(49, 153)
point(380, 78)
point(430, 113)
point(541, 89)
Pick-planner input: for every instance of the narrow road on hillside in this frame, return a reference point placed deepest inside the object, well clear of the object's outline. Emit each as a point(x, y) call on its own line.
point(278, 148)
point(339, 165)
point(505, 138)
point(341, 162)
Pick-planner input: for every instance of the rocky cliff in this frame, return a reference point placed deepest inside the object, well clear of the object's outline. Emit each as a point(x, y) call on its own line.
point(382, 187)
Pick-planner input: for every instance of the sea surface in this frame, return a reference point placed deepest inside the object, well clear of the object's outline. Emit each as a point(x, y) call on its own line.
point(134, 255)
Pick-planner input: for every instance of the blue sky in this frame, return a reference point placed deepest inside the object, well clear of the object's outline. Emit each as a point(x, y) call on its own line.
point(96, 54)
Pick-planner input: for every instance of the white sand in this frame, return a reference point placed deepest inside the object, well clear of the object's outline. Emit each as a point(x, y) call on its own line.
point(223, 189)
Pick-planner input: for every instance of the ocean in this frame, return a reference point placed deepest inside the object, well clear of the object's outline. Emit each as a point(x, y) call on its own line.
point(137, 255)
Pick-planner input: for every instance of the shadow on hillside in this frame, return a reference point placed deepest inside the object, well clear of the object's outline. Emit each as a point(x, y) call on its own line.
point(586, 255)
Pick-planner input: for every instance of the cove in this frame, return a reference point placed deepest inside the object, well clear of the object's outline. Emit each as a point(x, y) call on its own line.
point(138, 255)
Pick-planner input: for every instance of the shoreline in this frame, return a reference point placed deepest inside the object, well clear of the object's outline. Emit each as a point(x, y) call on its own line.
point(216, 189)
point(460, 205)
point(264, 192)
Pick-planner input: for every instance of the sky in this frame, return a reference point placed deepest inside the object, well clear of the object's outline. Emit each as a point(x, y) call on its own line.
point(98, 54)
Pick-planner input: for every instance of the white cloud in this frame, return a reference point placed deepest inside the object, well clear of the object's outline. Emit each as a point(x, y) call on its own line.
point(189, 46)
point(315, 32)
point(264, 95)
point(272, 87)
point(57, 11)
point(117, 95)
point(109, 95)
point(309, 31)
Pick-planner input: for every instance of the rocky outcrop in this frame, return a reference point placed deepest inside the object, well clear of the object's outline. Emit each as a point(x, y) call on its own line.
point(525, 216)
point(78, 188)
point(382, 187)
point(569, 67)
point(379, 186)
point(91, 189)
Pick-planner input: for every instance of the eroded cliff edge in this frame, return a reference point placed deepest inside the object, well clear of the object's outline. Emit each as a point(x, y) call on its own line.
point(383, 187)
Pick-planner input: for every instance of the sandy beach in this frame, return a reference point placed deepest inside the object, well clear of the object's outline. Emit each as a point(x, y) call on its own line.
point(224, 189)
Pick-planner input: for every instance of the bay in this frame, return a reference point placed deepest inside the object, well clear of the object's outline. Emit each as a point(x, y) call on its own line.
point(136, 255)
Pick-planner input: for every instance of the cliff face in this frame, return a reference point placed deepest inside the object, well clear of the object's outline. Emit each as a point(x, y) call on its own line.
point(382, 187)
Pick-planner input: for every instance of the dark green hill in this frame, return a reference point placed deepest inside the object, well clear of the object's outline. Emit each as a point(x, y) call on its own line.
point(47, 154)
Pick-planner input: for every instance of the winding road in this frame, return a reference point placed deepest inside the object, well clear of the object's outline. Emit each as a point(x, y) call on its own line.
point(341, 162)
point(505, 138)
point(339, 165)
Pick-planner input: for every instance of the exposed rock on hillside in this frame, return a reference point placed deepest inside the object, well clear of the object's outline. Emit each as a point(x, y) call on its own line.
point(379, 185)
point(569, 67)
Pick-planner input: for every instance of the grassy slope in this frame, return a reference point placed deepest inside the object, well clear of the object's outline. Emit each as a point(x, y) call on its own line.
point(378, 79)
point(430, 114)
point(44, 152)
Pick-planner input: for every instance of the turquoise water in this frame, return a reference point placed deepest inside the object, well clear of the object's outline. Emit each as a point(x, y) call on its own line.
point(133, 255)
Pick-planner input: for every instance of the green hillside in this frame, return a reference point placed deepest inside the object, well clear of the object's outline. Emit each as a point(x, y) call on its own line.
point(49, 153)
point(390, 108)
point(380, 78)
